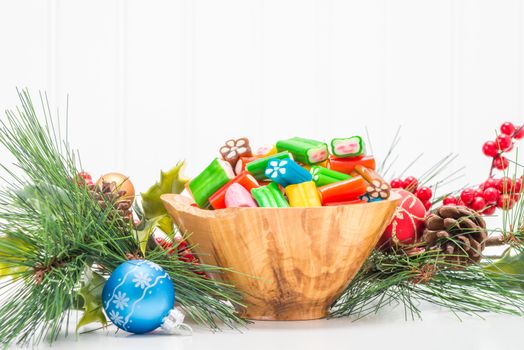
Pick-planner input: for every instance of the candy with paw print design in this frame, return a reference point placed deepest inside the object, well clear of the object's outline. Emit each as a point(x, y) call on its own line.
point(377, 187)
point(305, 151)
point(286, 172)
point(234, 149)
point(304, 194)
point(348, 147)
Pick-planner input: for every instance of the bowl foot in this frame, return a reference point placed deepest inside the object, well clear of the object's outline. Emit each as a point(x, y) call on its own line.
point(294, 313)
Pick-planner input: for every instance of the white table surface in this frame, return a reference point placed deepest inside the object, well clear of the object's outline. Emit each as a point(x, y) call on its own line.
point(439, 329)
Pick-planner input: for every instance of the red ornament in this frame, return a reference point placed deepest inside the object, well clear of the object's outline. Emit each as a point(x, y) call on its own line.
point(490, 149)
point(507, 128)
point(503, 142)
point(407, 224)
point(397, 183)
point(410, 184)
point(501, 163)
point(424, 194)
point(450, 200)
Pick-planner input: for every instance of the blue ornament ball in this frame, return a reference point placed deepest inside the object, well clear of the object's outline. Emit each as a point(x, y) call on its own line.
point(138, 295)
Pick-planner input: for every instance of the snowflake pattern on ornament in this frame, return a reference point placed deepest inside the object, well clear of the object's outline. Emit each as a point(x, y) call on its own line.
point(121, 300)
point(116, 318)
point(154, 266)
point(142, 280)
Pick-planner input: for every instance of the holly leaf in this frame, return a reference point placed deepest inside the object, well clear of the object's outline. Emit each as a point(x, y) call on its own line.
point(163, 222)
point(510, 265)
point(91, 294)
point(170, 182)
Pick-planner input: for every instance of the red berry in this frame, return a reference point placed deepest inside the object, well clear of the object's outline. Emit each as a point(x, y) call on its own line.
point(490, 149)
point(450, 200)
point(461, 203)
point(467, 195)
point(505, 185)
point(427, 204)
point(501, 163)
point(507, 128)
point(424, 194)
point(516, 196)
point(410, 183)
point(478, 204)
point(519, 133)
point(397, 183)
point(505, 202)
point(503, 142)
point(517, 185)
point(478, 193)
point(510, 147)
point(491, 195)
point(85, 175)
point(489, 210)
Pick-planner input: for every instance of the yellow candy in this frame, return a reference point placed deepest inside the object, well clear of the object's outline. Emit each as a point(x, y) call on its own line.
point(304, 194)
point(324, 164)
point(265, 151)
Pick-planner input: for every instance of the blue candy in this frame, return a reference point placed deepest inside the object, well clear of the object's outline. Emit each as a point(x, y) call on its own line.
point(286, 172)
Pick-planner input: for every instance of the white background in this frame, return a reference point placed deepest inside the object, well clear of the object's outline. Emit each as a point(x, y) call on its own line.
point(152, 82)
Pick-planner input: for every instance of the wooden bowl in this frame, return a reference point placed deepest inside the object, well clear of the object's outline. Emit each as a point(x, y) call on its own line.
point(293, 262)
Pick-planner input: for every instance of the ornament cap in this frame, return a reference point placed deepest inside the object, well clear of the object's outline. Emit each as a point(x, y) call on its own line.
point(174, 324)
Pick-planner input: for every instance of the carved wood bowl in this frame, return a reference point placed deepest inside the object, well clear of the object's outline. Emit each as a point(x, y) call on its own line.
point(293, 262)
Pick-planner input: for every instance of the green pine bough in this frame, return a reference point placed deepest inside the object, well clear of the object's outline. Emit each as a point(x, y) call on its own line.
point(57, 244)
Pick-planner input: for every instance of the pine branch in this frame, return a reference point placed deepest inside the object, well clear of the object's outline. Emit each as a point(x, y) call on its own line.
point(51, 229)
point(401, 279)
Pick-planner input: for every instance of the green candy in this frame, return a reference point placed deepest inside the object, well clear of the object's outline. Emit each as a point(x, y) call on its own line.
point(258, 167)
point(323, 176)
point(305, 151)
point(348, 147)
point(269, 196)
point(216, 175)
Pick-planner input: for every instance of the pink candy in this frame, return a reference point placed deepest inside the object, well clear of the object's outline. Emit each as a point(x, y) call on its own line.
point(238, 197)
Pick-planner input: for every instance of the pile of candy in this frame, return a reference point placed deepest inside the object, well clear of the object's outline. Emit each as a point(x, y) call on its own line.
point(296, 172)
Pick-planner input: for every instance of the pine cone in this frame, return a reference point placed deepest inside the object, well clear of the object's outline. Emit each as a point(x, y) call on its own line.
point(456, 230)
point(106, 194)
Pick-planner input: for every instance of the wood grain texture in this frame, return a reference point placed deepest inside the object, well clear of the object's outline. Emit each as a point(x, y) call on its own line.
point(300, 259)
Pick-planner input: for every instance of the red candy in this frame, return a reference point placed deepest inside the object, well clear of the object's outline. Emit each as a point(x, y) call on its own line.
point(218, 200)
point(347, 165)
point(343, 191)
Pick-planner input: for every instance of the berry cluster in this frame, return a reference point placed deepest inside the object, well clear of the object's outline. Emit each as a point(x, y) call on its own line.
point(410, 184)
point(502, 144)
point(183, 251)
point(84, 178)
point(494, 193)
